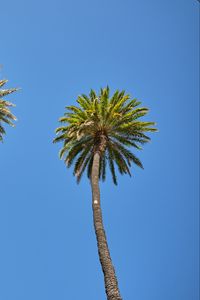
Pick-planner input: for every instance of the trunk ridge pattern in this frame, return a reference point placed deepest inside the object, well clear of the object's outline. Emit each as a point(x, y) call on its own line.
point(110, 279)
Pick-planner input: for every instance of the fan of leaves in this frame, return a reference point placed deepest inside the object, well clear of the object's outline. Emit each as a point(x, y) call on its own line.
point(109, 125)
point(5, 114)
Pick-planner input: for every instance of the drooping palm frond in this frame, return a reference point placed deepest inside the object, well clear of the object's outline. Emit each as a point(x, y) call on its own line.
point(5, 114)
point(109, 125)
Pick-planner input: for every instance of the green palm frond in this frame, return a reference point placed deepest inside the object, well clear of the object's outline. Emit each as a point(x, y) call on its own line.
point(5, 114)
point(107, 124)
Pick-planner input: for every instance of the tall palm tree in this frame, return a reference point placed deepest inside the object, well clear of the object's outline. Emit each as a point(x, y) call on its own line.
point(96, 132)
point(5, 114)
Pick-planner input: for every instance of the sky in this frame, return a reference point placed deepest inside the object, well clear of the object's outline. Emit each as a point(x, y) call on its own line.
point(53, 51)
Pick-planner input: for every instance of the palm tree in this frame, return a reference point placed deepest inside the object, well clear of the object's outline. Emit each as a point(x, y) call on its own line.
point(96, 132)
point(5, 115)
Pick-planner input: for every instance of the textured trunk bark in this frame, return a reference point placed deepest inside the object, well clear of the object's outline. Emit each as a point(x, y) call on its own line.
point(111, 285)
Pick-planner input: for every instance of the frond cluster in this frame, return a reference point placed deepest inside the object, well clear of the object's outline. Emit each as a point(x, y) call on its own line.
point(107, 124)
point(5, 114)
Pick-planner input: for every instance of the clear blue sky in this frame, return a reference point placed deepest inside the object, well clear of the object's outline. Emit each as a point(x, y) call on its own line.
point(55, 50)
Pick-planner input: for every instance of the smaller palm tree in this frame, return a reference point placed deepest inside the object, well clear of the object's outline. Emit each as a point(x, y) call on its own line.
point(5, 114)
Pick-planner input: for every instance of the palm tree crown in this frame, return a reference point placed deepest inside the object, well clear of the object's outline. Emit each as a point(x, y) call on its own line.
point(109, 125)
point(5, 115)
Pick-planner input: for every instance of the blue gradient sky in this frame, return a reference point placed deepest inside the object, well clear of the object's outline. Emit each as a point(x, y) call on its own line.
point(55, 50)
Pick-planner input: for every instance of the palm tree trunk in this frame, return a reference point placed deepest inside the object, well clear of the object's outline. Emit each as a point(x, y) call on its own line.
point(110, 279)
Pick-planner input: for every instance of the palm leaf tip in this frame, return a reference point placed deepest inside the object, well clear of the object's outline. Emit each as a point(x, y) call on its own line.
point(108, 124)
point(6, 117)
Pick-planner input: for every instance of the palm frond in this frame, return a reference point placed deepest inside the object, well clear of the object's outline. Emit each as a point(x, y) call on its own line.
point(6, 117)
point(109, 125)
point(112, 167)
